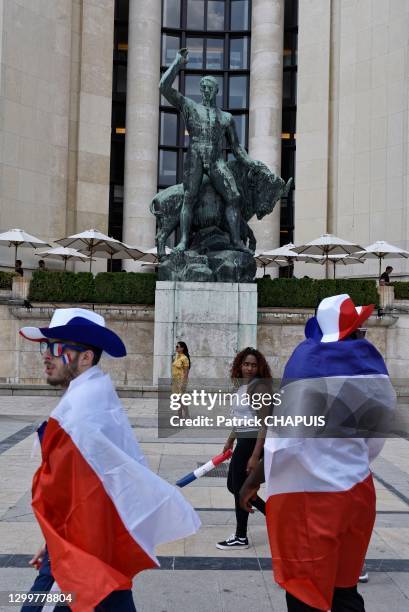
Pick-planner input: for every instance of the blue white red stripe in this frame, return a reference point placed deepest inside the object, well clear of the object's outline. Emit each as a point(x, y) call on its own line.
point(204, 469)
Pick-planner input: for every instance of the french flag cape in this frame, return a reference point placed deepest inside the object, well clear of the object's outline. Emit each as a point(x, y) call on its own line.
point(320, 507)
point(101, 509)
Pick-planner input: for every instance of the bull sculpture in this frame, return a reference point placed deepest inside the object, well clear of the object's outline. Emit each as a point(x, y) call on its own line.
point(260, 189)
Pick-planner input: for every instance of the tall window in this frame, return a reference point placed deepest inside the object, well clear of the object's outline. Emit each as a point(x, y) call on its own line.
point(120, 59)
point(289, 117)
point(217, 34)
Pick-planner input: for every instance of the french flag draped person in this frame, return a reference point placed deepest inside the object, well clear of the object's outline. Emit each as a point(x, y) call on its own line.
point(320, 507)
point(101, 509)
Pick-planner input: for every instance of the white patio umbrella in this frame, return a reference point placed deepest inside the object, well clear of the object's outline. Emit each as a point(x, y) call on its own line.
point(285, 255)
point(63, 253)
point(346, 260)
point(20, 238)
point(280, 253)
point(88, 242)
point(118, 250)
point(382, 250)
point(264, 262)
point(151, 255)
point(326, 245)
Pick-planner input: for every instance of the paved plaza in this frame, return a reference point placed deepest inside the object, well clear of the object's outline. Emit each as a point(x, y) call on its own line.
point(194, 575)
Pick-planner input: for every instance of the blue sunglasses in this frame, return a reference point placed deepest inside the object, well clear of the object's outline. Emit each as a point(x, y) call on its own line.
point(56, 349)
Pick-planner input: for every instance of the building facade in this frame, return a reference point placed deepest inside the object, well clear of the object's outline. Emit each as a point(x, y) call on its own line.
point(318, 89)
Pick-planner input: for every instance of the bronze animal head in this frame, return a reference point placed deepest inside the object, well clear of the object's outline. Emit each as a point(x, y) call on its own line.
point(267, 188)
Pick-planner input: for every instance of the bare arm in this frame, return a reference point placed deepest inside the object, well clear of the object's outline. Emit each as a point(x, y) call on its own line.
point(38, 558)
point(230, 441)
point(165, 85)
point(239, 151)
point(263, 390)
point(251, 485)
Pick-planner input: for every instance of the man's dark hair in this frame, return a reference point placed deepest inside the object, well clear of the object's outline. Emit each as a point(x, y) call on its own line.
point(97, 354)
point(389, 268)
point(18, 262)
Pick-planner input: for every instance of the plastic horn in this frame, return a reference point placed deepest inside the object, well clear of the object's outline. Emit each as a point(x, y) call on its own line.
point(204, 469)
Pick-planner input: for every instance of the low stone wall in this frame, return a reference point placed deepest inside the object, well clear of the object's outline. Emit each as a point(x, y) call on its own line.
point(20, 360)
point(278, 333)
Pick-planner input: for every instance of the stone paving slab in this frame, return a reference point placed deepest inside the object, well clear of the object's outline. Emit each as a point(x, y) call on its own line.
point(226, 591)
point(237, 581)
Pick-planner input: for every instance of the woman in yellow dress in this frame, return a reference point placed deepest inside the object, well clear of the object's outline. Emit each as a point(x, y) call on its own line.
point(180, 373)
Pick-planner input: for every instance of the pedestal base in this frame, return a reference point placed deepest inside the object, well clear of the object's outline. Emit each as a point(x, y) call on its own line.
point(214, 319)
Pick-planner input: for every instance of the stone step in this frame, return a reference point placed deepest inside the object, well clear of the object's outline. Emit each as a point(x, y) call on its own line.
point(143, 390)
point(33, 390)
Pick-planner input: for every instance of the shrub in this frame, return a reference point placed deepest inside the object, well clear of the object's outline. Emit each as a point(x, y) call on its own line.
point(129, 288)
point(307, 293)
point(401, 290)
point(139, 288)
point(105, 288)
point(6, 280)
point(62, 287)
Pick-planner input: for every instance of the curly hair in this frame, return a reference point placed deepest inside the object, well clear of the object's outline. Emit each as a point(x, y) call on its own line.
point(263, 370)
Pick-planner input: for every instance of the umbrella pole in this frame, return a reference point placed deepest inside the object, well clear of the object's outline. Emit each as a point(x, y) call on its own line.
point(90, 259)
point(334, 268)
point(15, 254)
point(110, 263)
point(380, 267)
point(65, 263)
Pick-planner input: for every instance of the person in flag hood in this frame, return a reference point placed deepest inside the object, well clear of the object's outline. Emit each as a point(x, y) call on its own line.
point(102, 511)
point(320, 507)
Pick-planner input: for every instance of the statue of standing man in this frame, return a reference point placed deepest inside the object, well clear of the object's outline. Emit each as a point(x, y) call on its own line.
point(207, 126)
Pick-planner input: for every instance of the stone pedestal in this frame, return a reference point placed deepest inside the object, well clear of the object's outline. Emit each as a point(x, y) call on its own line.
point(214, 319)
point(20, 288)
point(386, 295)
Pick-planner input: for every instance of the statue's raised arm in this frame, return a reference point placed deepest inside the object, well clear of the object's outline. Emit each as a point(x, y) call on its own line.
point(165, 85)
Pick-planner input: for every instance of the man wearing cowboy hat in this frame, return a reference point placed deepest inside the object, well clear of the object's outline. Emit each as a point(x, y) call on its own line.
point(101, 510)
point(320, 507)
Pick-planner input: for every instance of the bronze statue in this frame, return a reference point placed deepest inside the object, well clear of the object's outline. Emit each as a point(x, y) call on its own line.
point(207, 126)
point(217, 198)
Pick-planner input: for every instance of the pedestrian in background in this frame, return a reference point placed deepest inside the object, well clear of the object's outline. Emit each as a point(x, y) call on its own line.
point(384, 278)
point(251, 374)
point(180, 374)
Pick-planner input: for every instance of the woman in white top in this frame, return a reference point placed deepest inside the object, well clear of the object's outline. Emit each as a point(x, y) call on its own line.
point(251, 375)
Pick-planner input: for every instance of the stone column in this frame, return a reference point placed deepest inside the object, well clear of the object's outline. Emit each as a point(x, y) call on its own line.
point(266, 79)
point(90, 116)
point(142, 123)
point(314, 132)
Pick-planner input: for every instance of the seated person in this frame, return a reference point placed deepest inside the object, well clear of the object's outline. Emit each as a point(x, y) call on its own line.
point(18, 267)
